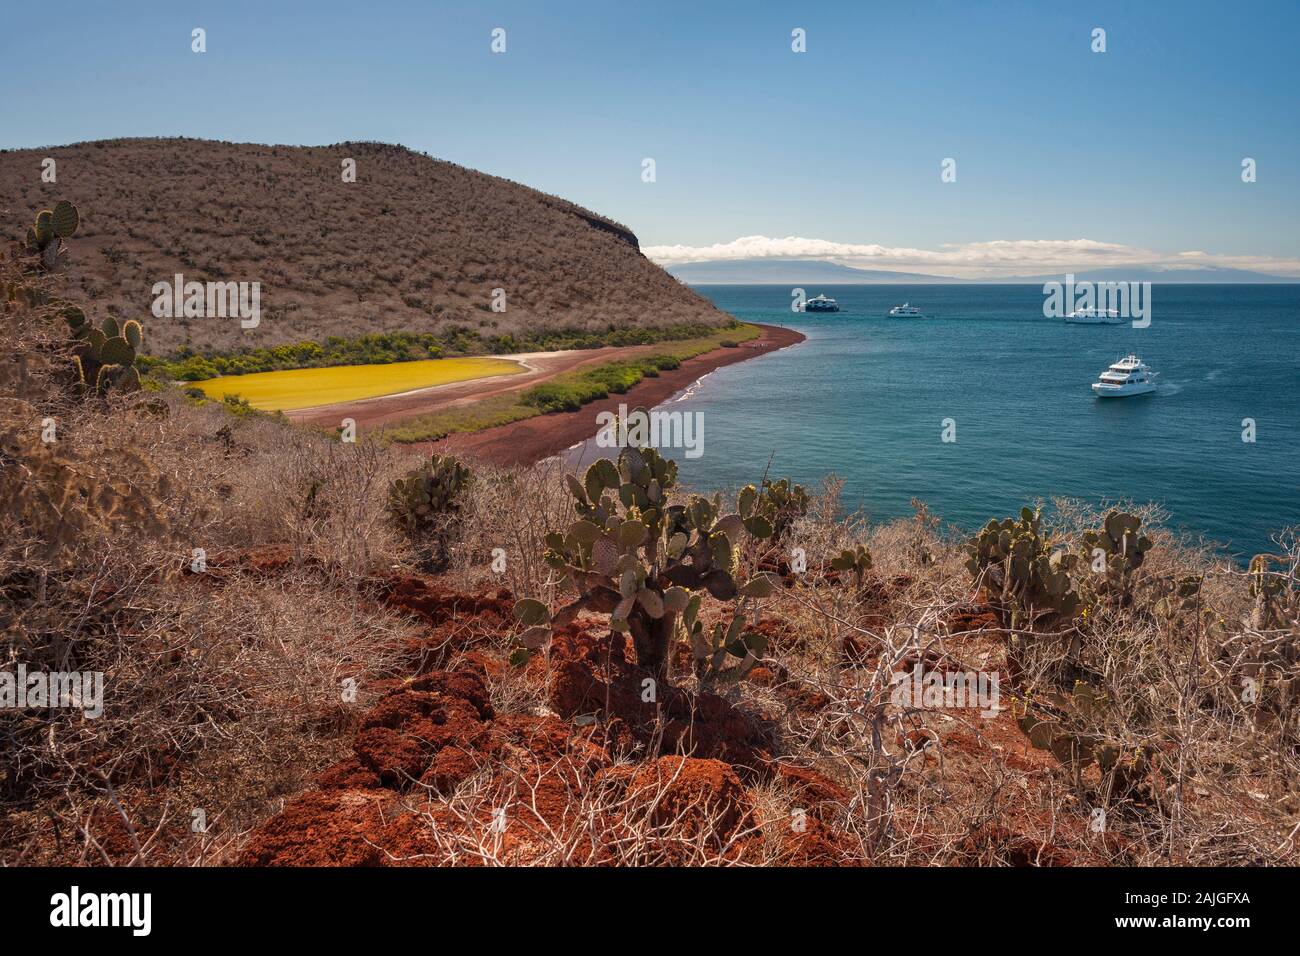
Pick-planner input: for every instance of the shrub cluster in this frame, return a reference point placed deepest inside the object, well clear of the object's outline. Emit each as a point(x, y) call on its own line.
point(597, 383)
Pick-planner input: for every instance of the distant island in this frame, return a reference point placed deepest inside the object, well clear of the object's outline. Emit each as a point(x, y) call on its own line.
point(792, 271)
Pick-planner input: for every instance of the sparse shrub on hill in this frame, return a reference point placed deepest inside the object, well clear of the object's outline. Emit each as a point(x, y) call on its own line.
point(280, 215)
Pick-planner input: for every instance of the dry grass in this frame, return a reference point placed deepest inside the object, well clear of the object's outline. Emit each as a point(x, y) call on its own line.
point(414, 245)
point(222, 688)
point(950, 787)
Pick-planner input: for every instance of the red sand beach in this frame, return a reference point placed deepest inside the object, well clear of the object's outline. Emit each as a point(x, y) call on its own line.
point(532, 439)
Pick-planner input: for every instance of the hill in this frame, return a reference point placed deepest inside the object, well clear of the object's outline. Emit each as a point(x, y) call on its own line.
point(414, 244)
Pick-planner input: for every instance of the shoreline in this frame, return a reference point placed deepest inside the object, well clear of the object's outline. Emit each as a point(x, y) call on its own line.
point(531, 440)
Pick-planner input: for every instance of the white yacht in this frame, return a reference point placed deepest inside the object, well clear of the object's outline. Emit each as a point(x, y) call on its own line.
point(1095, 317)
point(821, 303)
point(907, 310)
point(1129, 376)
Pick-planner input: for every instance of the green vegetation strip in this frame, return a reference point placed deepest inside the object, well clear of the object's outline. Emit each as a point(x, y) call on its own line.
point(565, 392)
point(386, 348)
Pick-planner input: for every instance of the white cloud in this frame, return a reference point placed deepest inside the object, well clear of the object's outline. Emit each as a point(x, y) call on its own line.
point(972, 260)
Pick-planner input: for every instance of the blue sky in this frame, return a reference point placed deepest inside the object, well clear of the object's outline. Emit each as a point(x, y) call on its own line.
point(1138, 149)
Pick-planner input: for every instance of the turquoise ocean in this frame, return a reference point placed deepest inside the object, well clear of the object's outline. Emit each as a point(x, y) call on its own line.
point(865, 398)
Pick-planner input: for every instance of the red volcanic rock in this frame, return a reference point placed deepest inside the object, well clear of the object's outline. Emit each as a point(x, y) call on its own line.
point(321, 828)
point(972, 617)
point(810, 786)
point(403, 731)
point(453, 619)
point(396, 757)
point(691, 794)
point(436, 604)
point(348, 774)
point(450, 767)
point(466, 685)
point(588, 677)
point(426, 736)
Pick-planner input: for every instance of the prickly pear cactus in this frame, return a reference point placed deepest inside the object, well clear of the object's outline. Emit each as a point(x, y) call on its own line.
point(648, 564)
point(64, 219)
point(1115, 551)
point(1017, 563)
point(426, 503)
point(775, 505)
point(856, 560)
point(46, 236)
point(1275, 598)
point(105, 358)
point(1079, 728)
point(1179, 597)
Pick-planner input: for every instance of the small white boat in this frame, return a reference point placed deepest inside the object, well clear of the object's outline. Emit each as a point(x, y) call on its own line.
point(821, 303)
point(1095, 317)
point(907, 310)
point(1129, 376)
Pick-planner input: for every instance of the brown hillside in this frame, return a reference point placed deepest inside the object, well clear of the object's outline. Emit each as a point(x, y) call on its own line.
point(415, 244)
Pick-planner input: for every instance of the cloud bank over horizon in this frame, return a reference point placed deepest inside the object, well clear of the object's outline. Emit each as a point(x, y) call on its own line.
point(974, 260)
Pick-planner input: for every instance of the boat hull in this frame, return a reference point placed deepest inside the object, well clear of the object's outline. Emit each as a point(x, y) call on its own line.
point(1122, 391)
point(1093, 320)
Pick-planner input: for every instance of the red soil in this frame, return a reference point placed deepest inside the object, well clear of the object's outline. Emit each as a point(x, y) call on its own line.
point(678, 766)
point(608, 765)
point(604, 766)
point(532, 439)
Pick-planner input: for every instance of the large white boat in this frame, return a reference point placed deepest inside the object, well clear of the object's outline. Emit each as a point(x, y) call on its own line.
point(907, 310)
point(821, 303)
point(1095, 317)
point(1129, 376)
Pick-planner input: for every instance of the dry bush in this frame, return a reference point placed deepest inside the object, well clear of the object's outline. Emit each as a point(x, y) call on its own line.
point(512, 509)
point(220, 689)
point(951, 787)
point(224, 699)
